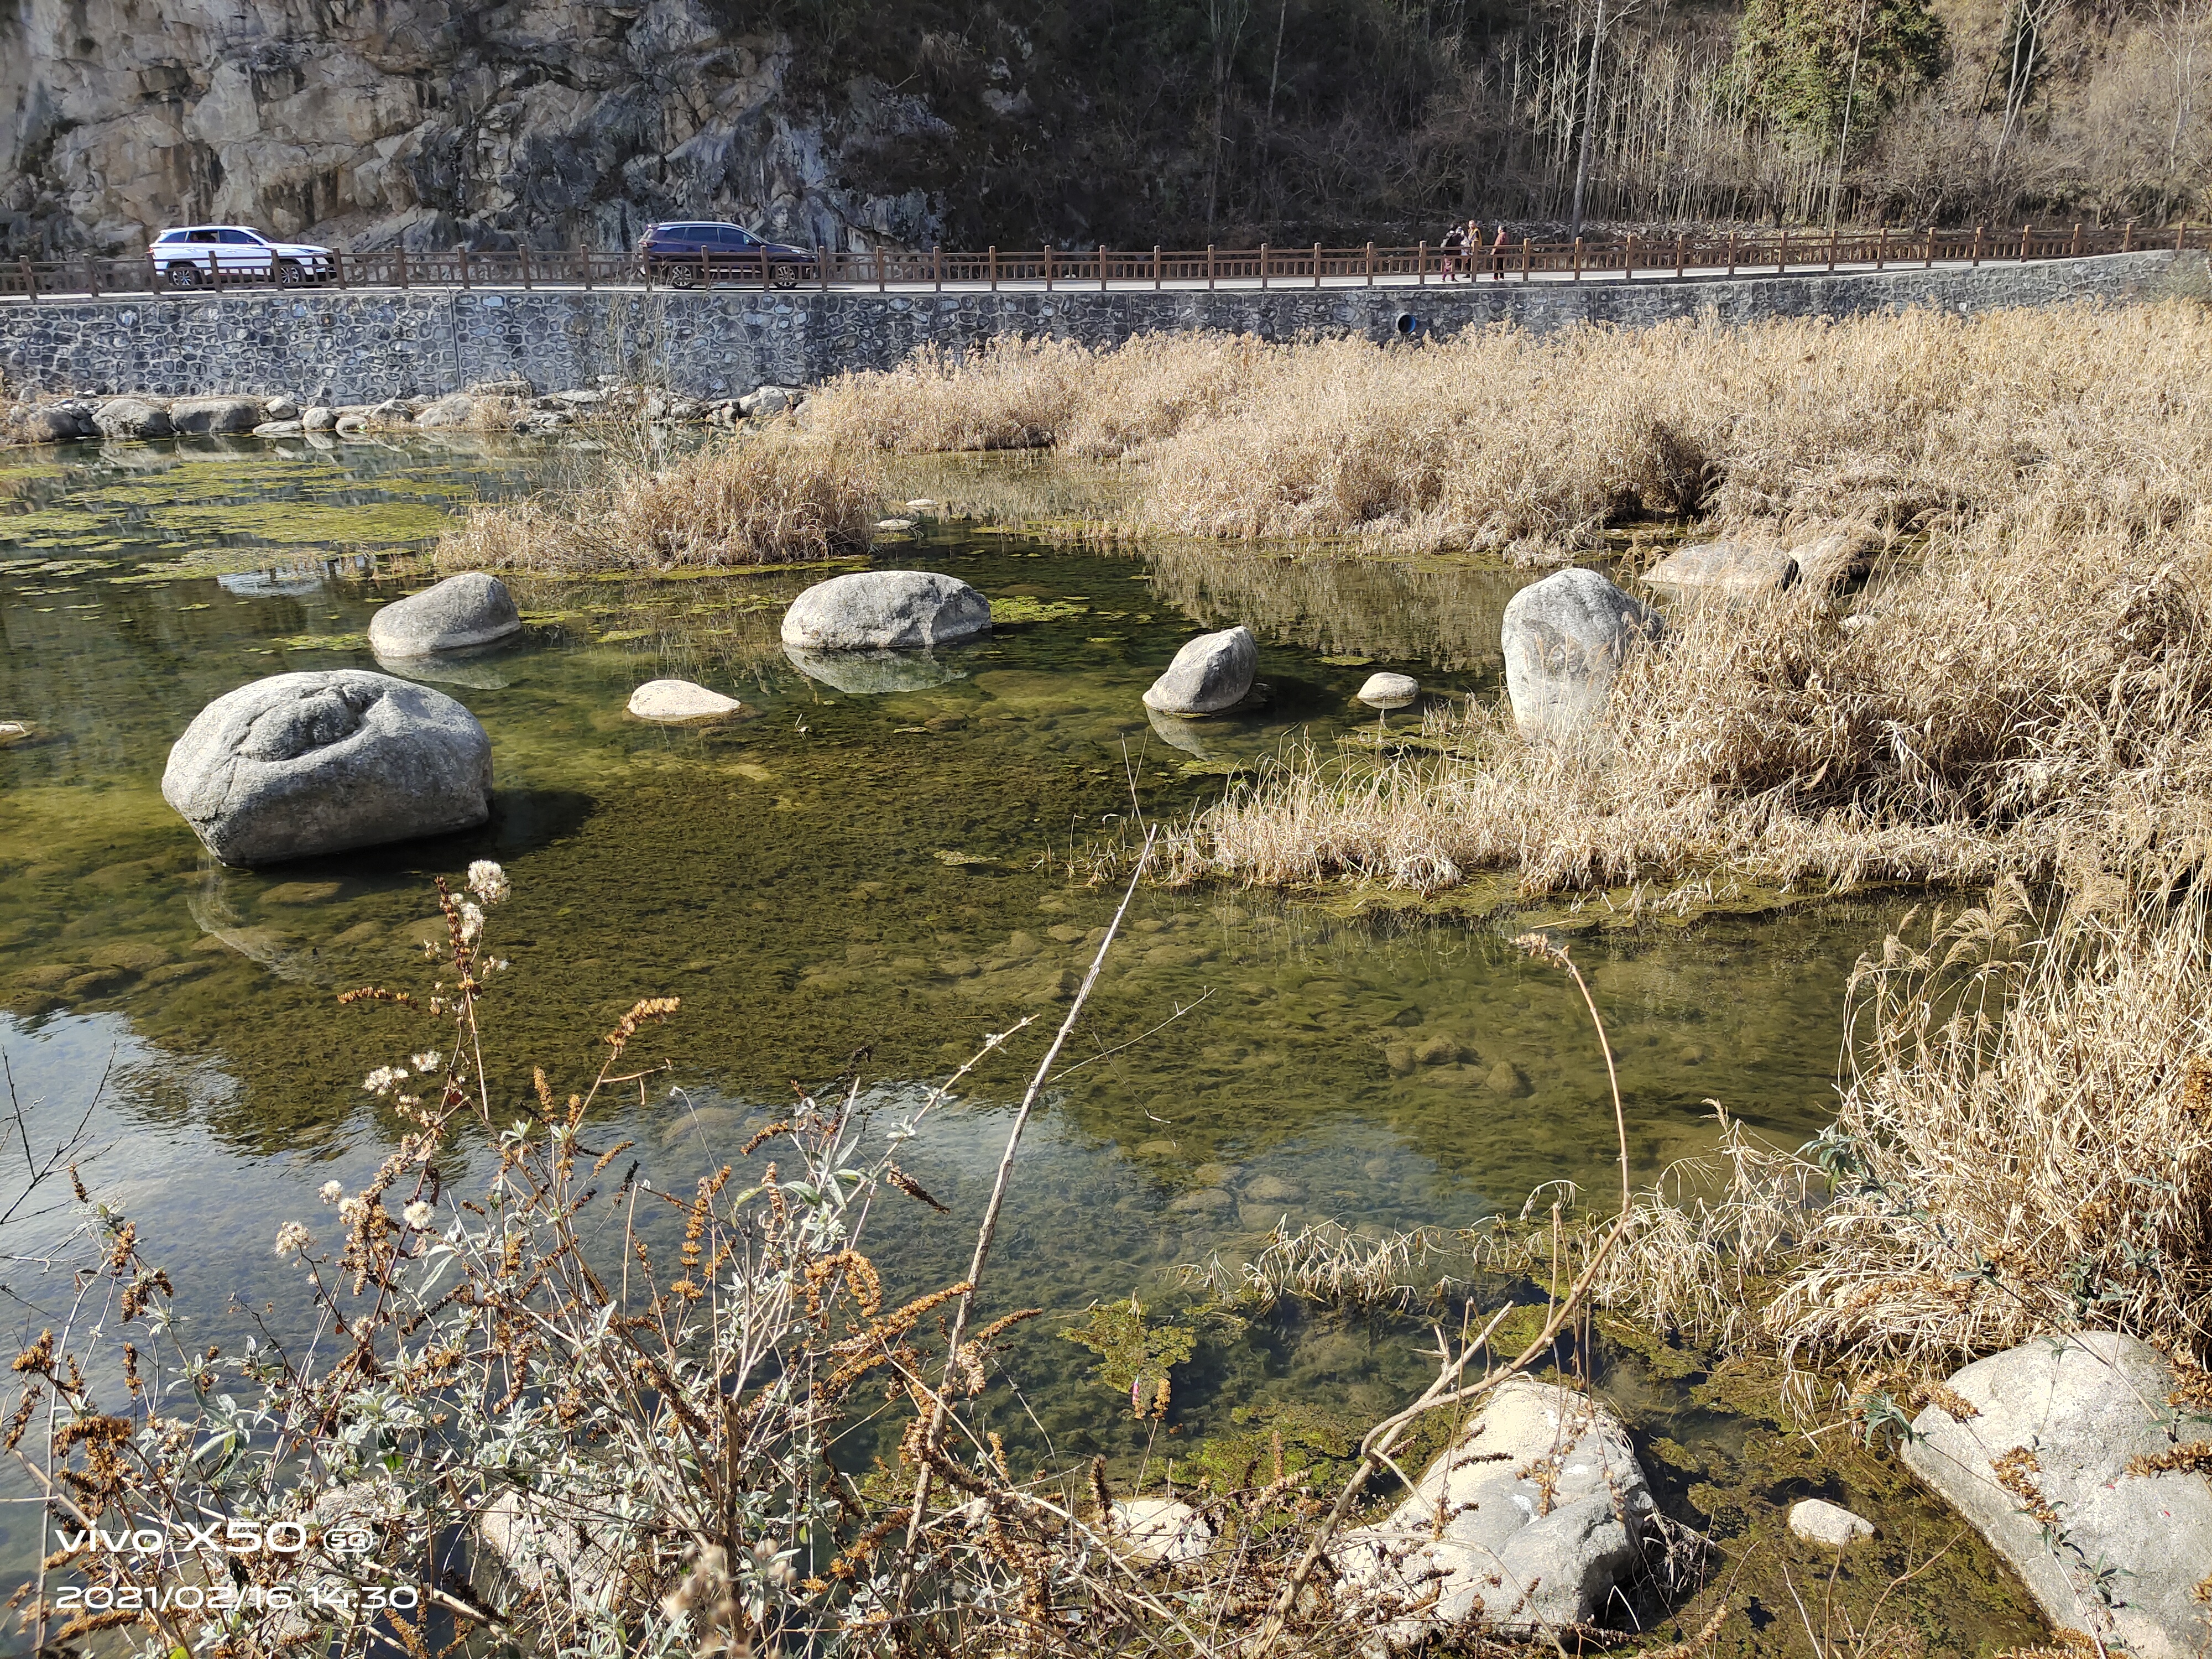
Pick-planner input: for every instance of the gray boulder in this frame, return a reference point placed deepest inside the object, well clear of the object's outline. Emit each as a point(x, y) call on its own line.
point(1544, 1509)
point(472, 609)
point(1389, 690)
point(458, 411)
point(280, 408)
point(1565, 639)
point(873, 673)
point(885, 610)
point(199, 417)
point(132, 418)
point(319, 418)
point(1209, 674)
point(278, 429)
point(301, 764)
point(1732, 569)
point(50, 423)
point(2041, 1472)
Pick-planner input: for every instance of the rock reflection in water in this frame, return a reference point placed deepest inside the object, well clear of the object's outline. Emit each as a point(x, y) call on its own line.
point(873, 673)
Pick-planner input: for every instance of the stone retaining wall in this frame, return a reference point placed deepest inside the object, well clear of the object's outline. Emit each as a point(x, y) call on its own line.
point(352, 347)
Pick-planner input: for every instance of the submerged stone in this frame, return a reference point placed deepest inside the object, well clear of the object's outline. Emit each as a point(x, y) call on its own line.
point(678, 702)
point(1819, 1521)
point(302, 765)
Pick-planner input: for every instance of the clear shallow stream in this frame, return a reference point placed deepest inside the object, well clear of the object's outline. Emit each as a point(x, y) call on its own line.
point(828, 873)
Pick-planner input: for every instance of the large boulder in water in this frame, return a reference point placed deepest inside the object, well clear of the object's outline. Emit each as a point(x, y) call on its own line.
point(1565, 639)
point(302, 765)
point(885, 610)
point(459, 614)
point(1544, 1509)
point(2076, 1468)
point(1209, 674)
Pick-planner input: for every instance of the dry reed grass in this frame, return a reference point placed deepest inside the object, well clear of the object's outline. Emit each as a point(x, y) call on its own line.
point(2025, 1143)
point(2036, 698)
point(771, 498)
point(1504, 442)
point(2023, 1146)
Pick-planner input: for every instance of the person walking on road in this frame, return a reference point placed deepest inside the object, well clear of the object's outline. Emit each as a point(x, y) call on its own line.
point(1498, 257)
point(1454, 240)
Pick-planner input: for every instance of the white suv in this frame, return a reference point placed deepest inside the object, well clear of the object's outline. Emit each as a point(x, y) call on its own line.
point(200, 254)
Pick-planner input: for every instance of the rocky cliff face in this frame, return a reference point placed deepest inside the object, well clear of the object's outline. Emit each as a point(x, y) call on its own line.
point(431, 122)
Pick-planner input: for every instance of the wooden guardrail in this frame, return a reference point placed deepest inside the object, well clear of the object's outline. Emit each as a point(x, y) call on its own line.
point(1583, 259)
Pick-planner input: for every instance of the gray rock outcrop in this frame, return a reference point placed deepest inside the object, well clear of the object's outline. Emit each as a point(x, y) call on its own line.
point(1732, 569)
point(302, 765)
point(1565, 639)
point(132, 419)
point(199, 417)
point(1544, 1510)
point(459, 614)
point(679, 702)
point(1209, 674)
point(319, 418)
point(885, 610)
point(2041, 1470)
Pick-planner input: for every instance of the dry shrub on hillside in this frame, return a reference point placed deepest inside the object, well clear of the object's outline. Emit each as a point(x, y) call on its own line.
point(776, 498)
point(1505, 441)
point(2038, 701)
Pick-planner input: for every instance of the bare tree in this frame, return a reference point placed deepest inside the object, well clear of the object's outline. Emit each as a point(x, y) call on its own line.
point(1621, 9)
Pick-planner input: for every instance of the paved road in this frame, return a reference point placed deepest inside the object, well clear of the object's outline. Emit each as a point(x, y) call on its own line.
point(1432, 283)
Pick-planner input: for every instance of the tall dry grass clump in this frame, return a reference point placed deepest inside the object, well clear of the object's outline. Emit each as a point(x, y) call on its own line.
point(1525, 444)
point(2033, 700)
point(2023, 1147)
point(2025, 1143)
point(773, 498)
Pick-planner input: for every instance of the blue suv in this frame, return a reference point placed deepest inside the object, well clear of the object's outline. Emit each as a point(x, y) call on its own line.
point(685, 253)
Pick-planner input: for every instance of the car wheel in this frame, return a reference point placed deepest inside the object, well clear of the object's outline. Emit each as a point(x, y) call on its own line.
point(182, 275)
point(786, 276)
point(683, 275)
point(288, 274)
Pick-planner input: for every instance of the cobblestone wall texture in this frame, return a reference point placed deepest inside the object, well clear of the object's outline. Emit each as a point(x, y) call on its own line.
point(344, 347)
